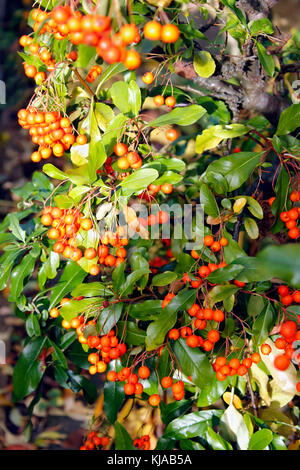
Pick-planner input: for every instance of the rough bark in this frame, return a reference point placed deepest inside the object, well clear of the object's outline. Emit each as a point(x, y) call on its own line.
point(251, 94)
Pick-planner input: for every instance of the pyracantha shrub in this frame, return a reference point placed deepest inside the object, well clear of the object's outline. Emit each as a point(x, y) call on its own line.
point(165, 247)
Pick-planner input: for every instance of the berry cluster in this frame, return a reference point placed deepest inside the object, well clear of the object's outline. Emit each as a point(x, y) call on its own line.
point(159, 100)
point(228, 368)
point(95, 442)
point(52, 132)
point(287, 297)
point(93, 73)
point(167, 33)
point(127, 159)
point(177, 387)
point(65, 225)
point(289, 334)
point(143, 443)
point(200, 323)
point(109, 349)
point(290, 219)
point(153, 189)
point(132, 385)
point(42, 53)
point(157, 263)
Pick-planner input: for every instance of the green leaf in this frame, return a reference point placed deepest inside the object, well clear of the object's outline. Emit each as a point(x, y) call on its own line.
point(193, 424)
point(266, 59)
point(48, 269)
point(235, 168)
point(113, 132)
point(260, 439)
point(289, 120)
point(263, 25)
point(225, 274)
point(139, 180)
point(164, 278)
point(113, 399)
point(251, 228)
point(122, 439)
point(264, 323)
point(118, 276)
point(91, 289)
point(194, 363)
point(82, 383)
point(15, 228)
point(135, 98)
point(220, 293)
point(131, 333)
point(120, 95)
point(216, 441)
point(70, 278)
point(169, 177)
point(29, 369)
point(158, 329)
point(109, 318)
point(172, 163)
point(7, 261)
point(127, 287)
point(108, 73)
point(32, 325)
point(190, 445)
point(54, 172)
point(79, 154)
point(208, 200)
point(78, 356)
point(283, 262)
point(19, 276)
point(147, 310)
point(234, 428)
point(204, 64)
point(97, 157)
point(207, 140)
point(212, 391)
point(74, 307)
point(58, 355)
point(85, 55)
point(180, 116)
point(254, 207)
point(173, 410)
point(104, 115)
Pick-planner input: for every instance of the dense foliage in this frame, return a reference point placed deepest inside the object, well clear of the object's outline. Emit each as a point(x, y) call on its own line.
point(165, 250)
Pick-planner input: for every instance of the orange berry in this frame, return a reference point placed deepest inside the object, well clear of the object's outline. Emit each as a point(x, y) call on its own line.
point(94, 270)
point(129, 389)
point(128, 33)
point(282, 362)
point(143, 372)
point(169, 33)
point(90, 253)
point(54, 313)
point(148, 78)
point(152, 30)
point(81, 139)
point(132, 60)
point(170, 101)
point(171, 135)
point(154, 400)
point(256, 358)
point(120, 149)
point(265, 349)
point(166, 188)
point(166, 382)
point(159, 100)
point(86, 224)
